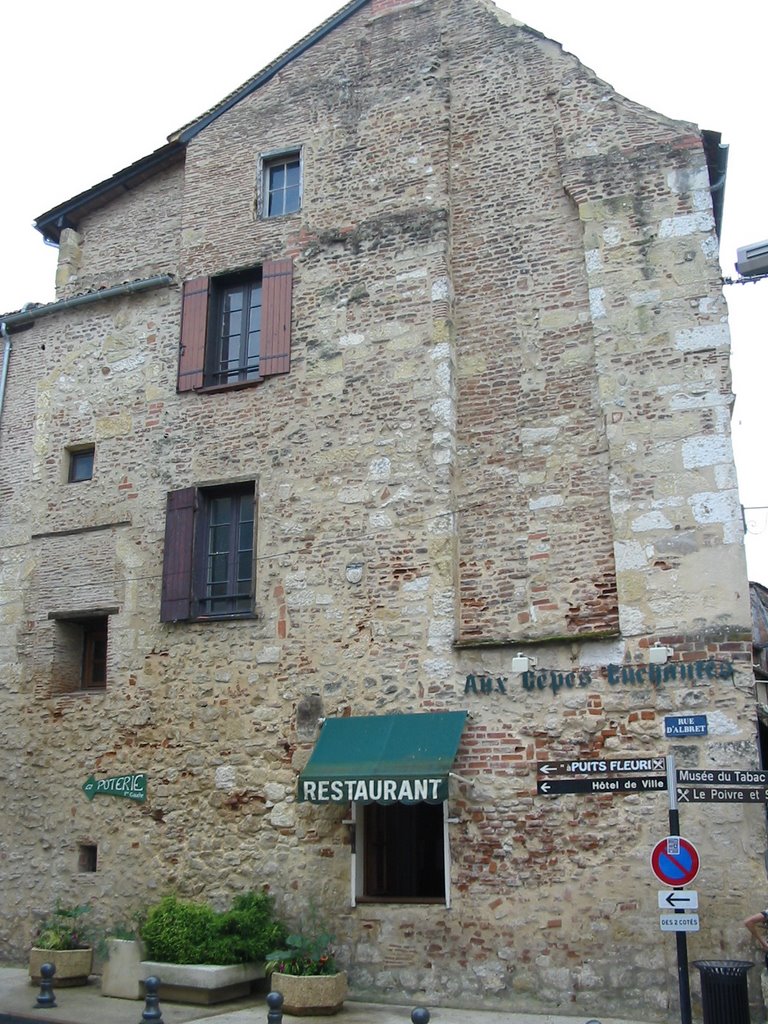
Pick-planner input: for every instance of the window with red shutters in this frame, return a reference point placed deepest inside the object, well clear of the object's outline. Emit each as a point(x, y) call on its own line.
point(236, 329)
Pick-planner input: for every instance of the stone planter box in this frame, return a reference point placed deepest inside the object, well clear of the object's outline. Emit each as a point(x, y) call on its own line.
point(309, 995)
point(120, 974)
point(72, 965)
point(201, 983)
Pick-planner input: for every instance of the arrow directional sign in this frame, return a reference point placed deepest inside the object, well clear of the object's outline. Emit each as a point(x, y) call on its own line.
point(629, 784)
point(678, 899)
point(730, 777)
point(623, 765)
point(721, 795)
point(134, 787)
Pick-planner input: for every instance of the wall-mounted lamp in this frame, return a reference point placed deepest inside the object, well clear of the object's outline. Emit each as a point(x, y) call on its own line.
point(659, 655)
point(522, 663)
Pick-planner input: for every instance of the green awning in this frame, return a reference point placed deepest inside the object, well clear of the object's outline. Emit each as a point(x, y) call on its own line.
point(383, 759)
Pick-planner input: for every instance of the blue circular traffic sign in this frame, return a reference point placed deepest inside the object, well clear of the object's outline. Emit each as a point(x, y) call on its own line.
point(675, 861)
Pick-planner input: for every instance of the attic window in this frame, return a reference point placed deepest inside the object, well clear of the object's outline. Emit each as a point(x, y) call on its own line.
point(282, 184)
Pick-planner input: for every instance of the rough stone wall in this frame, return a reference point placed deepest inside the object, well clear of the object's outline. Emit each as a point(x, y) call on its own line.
point(137, 236)
point(476, 383)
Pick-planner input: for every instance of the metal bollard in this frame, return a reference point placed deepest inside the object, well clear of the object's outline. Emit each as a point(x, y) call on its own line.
point(46, 997)
point(420, 1015)
point(152, 1001)
point(275, 1004)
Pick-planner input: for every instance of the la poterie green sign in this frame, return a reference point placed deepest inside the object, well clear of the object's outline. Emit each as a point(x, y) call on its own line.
point(134, 787)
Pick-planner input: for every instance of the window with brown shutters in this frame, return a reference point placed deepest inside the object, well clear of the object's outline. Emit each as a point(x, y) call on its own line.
point(208, 562)
point(236, 329)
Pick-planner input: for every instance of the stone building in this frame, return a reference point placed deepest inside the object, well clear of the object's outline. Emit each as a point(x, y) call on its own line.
point(374, 455)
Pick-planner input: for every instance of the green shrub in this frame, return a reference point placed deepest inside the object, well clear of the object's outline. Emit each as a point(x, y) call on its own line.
point(181, 932)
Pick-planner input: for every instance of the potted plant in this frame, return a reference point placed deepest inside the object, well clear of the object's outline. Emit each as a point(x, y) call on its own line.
point(306, 973)
point(206, 956)
point(63, 939)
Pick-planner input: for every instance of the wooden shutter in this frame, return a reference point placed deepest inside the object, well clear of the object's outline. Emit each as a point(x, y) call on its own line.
point(194, 329)
point(176, 598)
point(276, 293)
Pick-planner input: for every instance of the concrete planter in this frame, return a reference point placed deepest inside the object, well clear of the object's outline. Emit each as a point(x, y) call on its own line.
point(309, 995)
point(72, 965)
point(201, 983)
point(120, 976)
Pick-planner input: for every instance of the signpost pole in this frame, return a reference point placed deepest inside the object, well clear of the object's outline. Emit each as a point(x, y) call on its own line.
point(683, 980)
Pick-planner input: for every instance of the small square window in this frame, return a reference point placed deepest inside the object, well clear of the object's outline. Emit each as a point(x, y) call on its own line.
point(282, 184)
point(87, 857)
point(80, 464)
point(80, 655)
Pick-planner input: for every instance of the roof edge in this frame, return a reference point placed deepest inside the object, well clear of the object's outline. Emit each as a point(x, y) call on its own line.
point(51, 223)
point(187, 133)
point(66, 215)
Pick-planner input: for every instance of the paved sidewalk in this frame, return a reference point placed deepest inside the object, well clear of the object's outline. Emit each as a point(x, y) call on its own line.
point(86, 1005)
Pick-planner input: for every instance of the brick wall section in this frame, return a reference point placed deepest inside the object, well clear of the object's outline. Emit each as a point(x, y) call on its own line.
point(508, 404)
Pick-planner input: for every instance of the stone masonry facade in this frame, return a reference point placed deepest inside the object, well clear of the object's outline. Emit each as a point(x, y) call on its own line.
point(504, 431)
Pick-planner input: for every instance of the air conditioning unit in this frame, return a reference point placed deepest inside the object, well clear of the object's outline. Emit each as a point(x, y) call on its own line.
point(752, 259)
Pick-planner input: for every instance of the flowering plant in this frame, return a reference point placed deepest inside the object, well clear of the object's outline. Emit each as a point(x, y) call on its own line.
point(65, 928)
point(310, 953)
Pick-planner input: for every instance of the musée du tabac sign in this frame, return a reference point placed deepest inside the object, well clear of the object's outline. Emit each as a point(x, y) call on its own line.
point(539, 680)
point(132, 787)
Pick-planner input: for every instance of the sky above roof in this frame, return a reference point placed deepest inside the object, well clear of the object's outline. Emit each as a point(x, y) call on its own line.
point(88, 88)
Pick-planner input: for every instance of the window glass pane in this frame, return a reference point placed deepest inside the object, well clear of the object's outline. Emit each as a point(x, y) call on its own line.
point(292, 174)
point(283, 178)
point(277, 177)
point(81, 465)
point(291, 201)
point(220, 509)
point(226, 586)
point(234, 346)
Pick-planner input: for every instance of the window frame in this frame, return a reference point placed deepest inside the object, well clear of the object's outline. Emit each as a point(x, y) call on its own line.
point(201, 300)
point(361, 857)
point(242, 502)
point(187, 556)
point(77, 458)
point(93, 674)
point(76, 659)
point(246, 369)
point(271, 163)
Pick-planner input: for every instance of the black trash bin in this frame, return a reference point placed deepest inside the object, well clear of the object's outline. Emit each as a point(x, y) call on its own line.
point(724, 995)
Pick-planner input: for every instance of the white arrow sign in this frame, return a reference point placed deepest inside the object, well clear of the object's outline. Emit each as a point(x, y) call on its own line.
point(678, 899)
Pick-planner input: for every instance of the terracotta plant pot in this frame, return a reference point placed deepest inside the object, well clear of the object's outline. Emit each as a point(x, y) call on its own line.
point(72, 965)
point(307, 995)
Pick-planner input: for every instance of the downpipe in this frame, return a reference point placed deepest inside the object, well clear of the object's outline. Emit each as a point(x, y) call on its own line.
point(6, 362)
